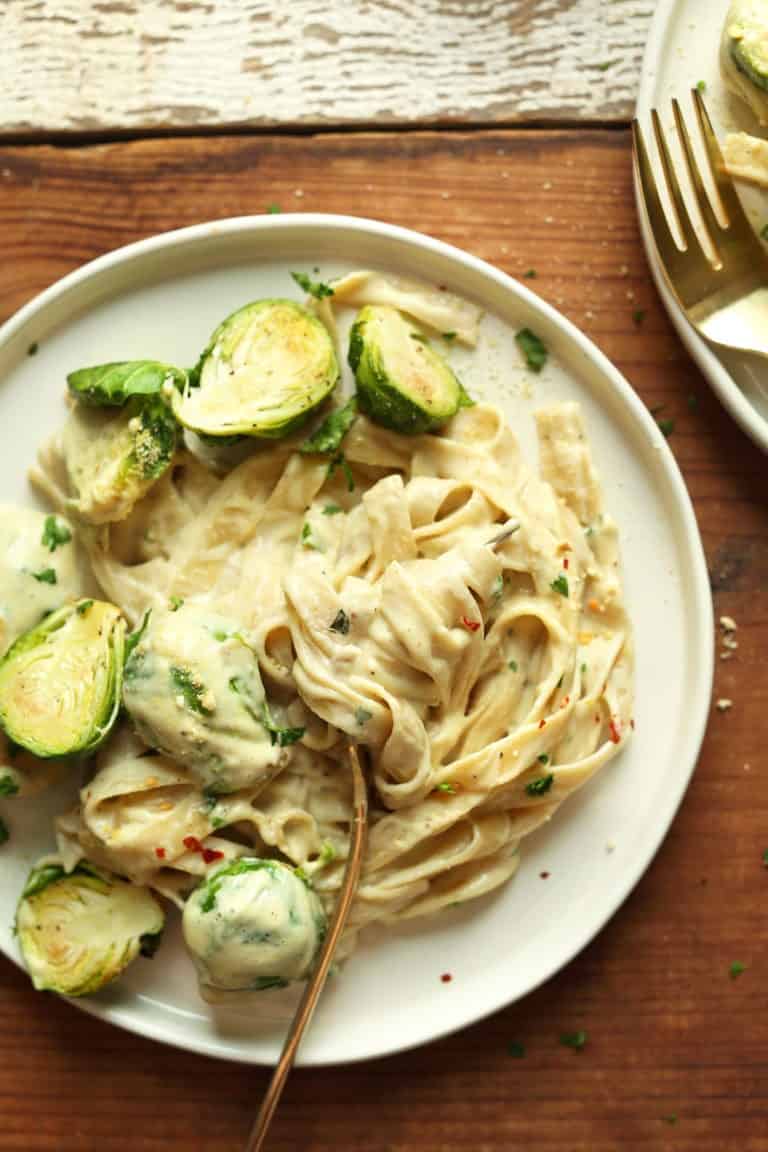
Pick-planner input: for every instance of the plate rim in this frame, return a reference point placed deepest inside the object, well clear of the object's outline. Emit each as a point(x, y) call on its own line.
point(699, 591)
point(722, 382)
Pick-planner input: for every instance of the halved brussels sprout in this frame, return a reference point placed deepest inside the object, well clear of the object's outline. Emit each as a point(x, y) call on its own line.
point(267, 366)
point(114, 384)
point(402, 382)
point(38, 569)
point(79, 931)
point(747, 35)
point(254, 924)
point(193, 690)
point(114, 458)
point(60, 682)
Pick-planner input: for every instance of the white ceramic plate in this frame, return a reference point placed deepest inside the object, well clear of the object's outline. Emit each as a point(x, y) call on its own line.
point(162, 297)
point(682, 51)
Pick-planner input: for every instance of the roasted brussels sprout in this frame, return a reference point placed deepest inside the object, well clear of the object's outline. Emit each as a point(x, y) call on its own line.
point(79, 931)
point(265, 369)
point(402, 382)
point(60, 682)
point(38, 571)
point(114, 457)
point(193, 690)
point(254, 924)
point(744, 54)
point(115, 384)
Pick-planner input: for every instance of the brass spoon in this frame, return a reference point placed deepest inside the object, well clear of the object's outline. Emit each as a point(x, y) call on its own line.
point(308, 1002)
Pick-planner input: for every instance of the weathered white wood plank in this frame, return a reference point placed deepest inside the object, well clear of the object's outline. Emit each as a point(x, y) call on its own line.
point(100, 65)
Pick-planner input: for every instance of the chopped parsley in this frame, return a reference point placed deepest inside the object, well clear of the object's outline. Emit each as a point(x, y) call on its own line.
point(362, 715)
point(189, 688)
point(736, 969)
point(516, 1049)
point(531, 274)
point(340, 622)
point(33, 348)
point(332, 509)
point(605, 65)
point(175, 603)
point(513, 665)
point(54, 534)
point(8, 786)
point(341, 462)
point(543, 758)
point(327, 852)
point(670, 1118)
point(306, 539)
point(217, 822)
point(315, 288)
point(445, 787)
point(573, 1039)
point(449, 337)
point(560, 584)
point(533, 349)
point(133, 639)
point(84, 607)
point(419, 337)
point(277, 735)
point(666, 426)
point(328, 437)
point(638, 316)
point(764, 232)
point(701, 86)
point(273, 209)
point(498, 588)
point(541, 786)
point(765, 858)
point(46, 576)
point(693, 400)
point(4, 834)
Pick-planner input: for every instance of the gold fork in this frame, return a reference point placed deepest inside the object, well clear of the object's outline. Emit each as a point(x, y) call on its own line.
point(724, 294)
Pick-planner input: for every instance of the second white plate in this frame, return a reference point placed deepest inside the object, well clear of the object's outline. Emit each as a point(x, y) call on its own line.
point(682, 52)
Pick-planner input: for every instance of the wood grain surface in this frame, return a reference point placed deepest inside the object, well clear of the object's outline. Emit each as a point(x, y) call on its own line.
point(669, 1033)
point(132, 65)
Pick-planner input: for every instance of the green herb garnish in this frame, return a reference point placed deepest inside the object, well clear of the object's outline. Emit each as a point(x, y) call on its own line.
point(340, 622)
point(543, 758)
point(541, 786)
point(4, 833)
point(532, 348)
point(445, 787)
point(362, 715)
point(315, 288)
point(573, 1039)
point(328, 437)
point(516, 1049)
point(736, 969)
point(701, 86)
point(307, 541)
point(670, 1118)
point(560, 584)
point(174, 603)
point(8, 786)
point(638, 316)
point(46, 576)
point(531, 274)
point(83, 607)
point(449, 337)
point(341, 462)
point(273, 209)
point(33, 348)
point(764, 232)
point(513, 665)
point(327, 852)
point(332, 510)
point(666, 426)
point(54, 534)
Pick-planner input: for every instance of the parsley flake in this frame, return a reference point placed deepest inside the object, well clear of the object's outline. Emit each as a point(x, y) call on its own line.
point(560, 584)
point(666, 426)
point(190, 688)
point(764, 232)
point(533, 349)
point(340, 622)
point(332, 510)
point(175, 603)
point(54, 534)
point(638, 316)
point(765, 858)
point(670, 1118)
point(273, 209)
point(306, 539)
point(449, 337)
point(327, 852)
point(531, 274)
point(516, 1049)
point(84, 607)
point(736, 969)
point(543, 758)
point(445, 787)
point(362, 715)
point(46, 576)
point(8, 786)
point(4, 834)
point(513, 665)
point(575, 1040)
point(340, 461)
point(701, 86)
point(315, 288)
point(540, 786)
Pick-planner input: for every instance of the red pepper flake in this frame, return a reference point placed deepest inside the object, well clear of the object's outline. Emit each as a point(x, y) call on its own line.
point(192, 844)
point(544, 875)
point(211, 854)
point(565, 562)
point(566, 702)
point(614, 731)
point(446, 977)
point(470, 625)
point(542, 723)
point(160, 853)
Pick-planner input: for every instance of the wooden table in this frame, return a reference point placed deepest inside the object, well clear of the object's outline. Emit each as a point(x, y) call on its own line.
point(677, 1049)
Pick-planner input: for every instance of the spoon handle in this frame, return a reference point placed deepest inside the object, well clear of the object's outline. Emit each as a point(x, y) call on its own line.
point(313, 989)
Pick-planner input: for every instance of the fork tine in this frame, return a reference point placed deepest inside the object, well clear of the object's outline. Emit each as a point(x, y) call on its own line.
point(711, 221)
point(657, 217)
point(725, 189)
point(678, 203)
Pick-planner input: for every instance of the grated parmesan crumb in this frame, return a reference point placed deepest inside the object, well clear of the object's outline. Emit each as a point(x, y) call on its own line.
point(724, 704)
point(728, 624)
